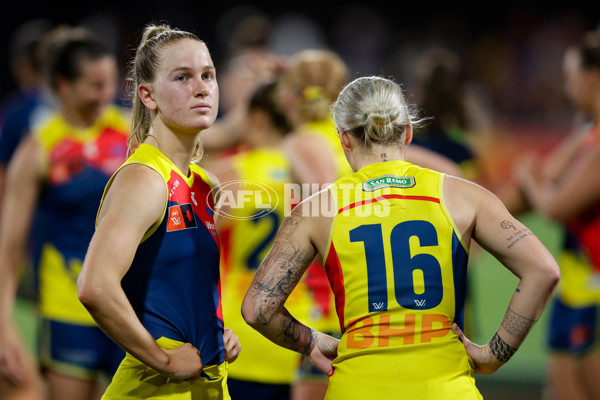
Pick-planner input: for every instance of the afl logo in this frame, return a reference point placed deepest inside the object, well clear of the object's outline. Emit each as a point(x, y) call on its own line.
point(243, 199)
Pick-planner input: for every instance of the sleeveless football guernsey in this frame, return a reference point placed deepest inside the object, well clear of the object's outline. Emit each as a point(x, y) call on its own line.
point(79, 162)
point(174, 287)
point(397, 266)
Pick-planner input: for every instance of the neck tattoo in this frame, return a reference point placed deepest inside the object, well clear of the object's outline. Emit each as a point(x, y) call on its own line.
point(384, 156)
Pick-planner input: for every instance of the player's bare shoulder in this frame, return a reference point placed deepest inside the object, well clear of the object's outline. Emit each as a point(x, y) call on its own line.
point(464, 200)
point(135, 189)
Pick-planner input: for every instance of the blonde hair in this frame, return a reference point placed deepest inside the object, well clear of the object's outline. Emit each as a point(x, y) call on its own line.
point(374, 110)
point(143, 68)
point(316, 77)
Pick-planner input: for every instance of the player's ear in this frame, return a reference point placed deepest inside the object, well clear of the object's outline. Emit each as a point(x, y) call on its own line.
point(345, 140)
point(146, 94)
point(408, 136)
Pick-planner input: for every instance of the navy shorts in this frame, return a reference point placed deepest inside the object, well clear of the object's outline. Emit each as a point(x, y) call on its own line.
point(78, 350)
point(573, 330)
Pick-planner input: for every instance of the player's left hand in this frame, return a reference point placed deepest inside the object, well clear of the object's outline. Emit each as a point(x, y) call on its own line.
point(484, 361)
point(233, 347)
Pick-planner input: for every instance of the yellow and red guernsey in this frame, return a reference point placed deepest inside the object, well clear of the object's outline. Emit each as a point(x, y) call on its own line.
point(397, 266)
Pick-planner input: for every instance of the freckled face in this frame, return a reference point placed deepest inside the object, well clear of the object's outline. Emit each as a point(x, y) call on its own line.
point(185, 89)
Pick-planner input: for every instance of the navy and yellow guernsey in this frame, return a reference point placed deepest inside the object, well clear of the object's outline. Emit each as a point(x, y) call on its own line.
point(78, 164)
point(397, 265)
point(173, 282)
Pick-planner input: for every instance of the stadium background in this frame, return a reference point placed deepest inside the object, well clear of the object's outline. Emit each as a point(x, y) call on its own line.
point(512, 53)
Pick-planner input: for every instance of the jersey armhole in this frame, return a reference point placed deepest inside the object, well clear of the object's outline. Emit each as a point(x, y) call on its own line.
point(155, 226)
point(447, 212)
point(333, 222)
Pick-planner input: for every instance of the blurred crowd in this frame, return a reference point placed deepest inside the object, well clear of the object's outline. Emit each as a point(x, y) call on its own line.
point(510, 59)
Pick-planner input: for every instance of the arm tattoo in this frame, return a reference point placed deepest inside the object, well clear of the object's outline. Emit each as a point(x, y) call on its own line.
point(517, 325)
point(275, 279)
point(289, 226)
point(506, 224)
point(274, 289)
point(500, 349)
point(296, 336)
point(280, 271)
point(514, 234)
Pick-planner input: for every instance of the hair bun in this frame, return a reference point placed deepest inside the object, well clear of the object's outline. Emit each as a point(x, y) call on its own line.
point(380, 124)
point(382, 117)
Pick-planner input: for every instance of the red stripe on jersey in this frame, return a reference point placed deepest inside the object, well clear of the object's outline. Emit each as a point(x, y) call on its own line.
point(388, 196)
point(336, 280)
point(205, 205)
point(225, 250)
point(219, 312)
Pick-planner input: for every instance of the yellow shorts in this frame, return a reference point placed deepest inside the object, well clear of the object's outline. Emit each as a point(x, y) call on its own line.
point(135, 380)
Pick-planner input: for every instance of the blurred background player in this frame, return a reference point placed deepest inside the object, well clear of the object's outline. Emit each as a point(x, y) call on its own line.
point(21, 110)
point(246, 230)
point(247, 63)
point(565, 187)
point(62, 168)
point(27, 104)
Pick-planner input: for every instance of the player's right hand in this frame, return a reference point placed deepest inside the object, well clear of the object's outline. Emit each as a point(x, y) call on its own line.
point(184, 362)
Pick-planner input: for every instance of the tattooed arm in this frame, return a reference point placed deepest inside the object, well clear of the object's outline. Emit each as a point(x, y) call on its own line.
point(263, 306)
point(480, 215)
point(497, 352)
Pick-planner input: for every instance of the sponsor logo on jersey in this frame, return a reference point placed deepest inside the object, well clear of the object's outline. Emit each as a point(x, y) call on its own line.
point(402, 182)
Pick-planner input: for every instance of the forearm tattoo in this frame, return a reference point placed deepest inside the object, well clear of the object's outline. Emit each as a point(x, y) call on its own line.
point(275, 279)
point(282, 268)
point(295, 335)
point(500, 349)
point(517, 325)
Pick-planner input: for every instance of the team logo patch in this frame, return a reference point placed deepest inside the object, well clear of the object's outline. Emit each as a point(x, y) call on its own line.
point(181, 216)
point(384, 181)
